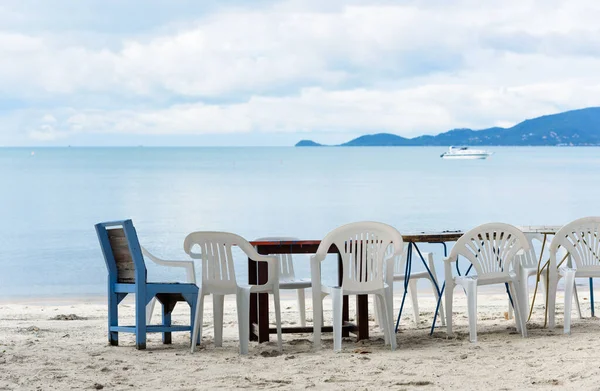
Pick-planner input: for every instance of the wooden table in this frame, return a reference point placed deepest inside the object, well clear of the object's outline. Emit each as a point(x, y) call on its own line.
point(258, 271)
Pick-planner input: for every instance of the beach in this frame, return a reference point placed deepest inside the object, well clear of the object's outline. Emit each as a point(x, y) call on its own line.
point(62, 344)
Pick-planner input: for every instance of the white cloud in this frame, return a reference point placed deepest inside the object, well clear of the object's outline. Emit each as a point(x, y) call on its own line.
point(422, 109)
point(404, 67)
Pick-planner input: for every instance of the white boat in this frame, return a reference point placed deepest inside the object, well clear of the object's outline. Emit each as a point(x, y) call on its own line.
point(465, 153)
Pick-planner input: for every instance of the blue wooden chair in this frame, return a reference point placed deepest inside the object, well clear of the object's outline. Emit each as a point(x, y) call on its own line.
point(127, 274)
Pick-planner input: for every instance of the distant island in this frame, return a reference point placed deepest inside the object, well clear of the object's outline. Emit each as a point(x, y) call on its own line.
point(575, 127)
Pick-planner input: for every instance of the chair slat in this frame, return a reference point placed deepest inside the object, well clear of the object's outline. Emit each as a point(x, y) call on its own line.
point(122, 255)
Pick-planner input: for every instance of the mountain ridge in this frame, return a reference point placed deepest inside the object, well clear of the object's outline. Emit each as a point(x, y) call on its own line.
point(579, 127)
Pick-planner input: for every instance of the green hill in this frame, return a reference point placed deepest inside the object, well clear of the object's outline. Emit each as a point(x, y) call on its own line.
point(576, 127)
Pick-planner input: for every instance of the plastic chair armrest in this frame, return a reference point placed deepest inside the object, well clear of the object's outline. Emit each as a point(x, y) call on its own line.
point(388, 266)
point(272, 264)
point(189, 267)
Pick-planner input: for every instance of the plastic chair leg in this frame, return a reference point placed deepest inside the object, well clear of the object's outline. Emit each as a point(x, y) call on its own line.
point(379, 308)
point(243, 313)
point(317, 304)
point(277, 306)
point(302, 307)
point(412, 289)
point(552, 286)
point(389, 305)
point(336, 296)
point(577, 303)
point(569, 285)
point(518, 308)
point(323, 296)
point(510, 310)
point(198, 319)
point(218, 304)
point(448, 296)
point(377, 316)
point(150, 310)
point(388, 317)
point(435, 285)
point(525, 297)
point(471, 289)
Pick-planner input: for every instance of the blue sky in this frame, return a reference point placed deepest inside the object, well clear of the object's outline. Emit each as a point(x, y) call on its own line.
point(274, 72)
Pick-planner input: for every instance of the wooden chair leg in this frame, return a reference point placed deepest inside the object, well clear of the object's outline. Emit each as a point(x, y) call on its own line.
point(167, 308)
point(113, 318)
point(140, 320)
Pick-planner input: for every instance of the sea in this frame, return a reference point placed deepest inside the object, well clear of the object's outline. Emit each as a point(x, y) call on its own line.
point(50, 199)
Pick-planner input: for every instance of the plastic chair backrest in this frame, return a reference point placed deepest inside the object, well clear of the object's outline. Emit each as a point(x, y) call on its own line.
point(122, 251)
point(286, 261)
point(399, 260)
point(491, 248)
point(215, 253)
point(581, 239)
point(362, 247)
point(530, 259)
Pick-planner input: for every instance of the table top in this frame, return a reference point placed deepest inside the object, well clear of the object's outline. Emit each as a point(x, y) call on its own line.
point(540, 229)
point(419, 237)
point(415, 237)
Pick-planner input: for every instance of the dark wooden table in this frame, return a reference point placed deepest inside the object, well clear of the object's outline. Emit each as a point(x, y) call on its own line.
point(258, 272)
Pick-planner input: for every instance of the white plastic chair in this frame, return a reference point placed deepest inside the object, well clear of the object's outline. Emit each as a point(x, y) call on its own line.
point(415, 276)
point(362, 247)
point(492, 249)
point(528, 264)
point(218, 279)
point(190, 276)
point(287, 277)
point(580, 238)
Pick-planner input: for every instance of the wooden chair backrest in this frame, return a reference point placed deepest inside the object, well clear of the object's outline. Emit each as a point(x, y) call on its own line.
point(122, 251)
point(122, 255)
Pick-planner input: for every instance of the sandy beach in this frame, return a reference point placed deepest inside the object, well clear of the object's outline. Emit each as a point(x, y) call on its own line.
point(53, 344)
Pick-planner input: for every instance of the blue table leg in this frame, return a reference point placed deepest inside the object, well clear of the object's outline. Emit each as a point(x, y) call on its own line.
point(592, 295)
point(509, 296)
point(433, 278)
point(437, 308)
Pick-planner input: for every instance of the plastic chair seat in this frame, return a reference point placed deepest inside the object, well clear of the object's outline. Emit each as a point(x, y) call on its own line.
point(415, 275)
point(295, 284)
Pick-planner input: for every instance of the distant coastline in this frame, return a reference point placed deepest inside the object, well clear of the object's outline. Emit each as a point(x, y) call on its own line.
point(571, 128)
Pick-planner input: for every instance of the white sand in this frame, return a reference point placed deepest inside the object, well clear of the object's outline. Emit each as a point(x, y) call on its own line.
point(40, 353)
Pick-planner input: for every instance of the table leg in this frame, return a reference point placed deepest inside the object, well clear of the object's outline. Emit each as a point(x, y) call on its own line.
point(362, 316)
point(345, 304)
point(252, 278)
point(592, 296)
point(263, 304)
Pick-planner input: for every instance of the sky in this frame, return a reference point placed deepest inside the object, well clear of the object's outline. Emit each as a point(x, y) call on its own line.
point(233, 72)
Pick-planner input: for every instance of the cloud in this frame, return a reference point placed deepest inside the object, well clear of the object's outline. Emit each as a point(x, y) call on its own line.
point(407, 67)
point(422, 109)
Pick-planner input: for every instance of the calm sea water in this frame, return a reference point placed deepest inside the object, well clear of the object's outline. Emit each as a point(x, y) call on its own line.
point(50, 201)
